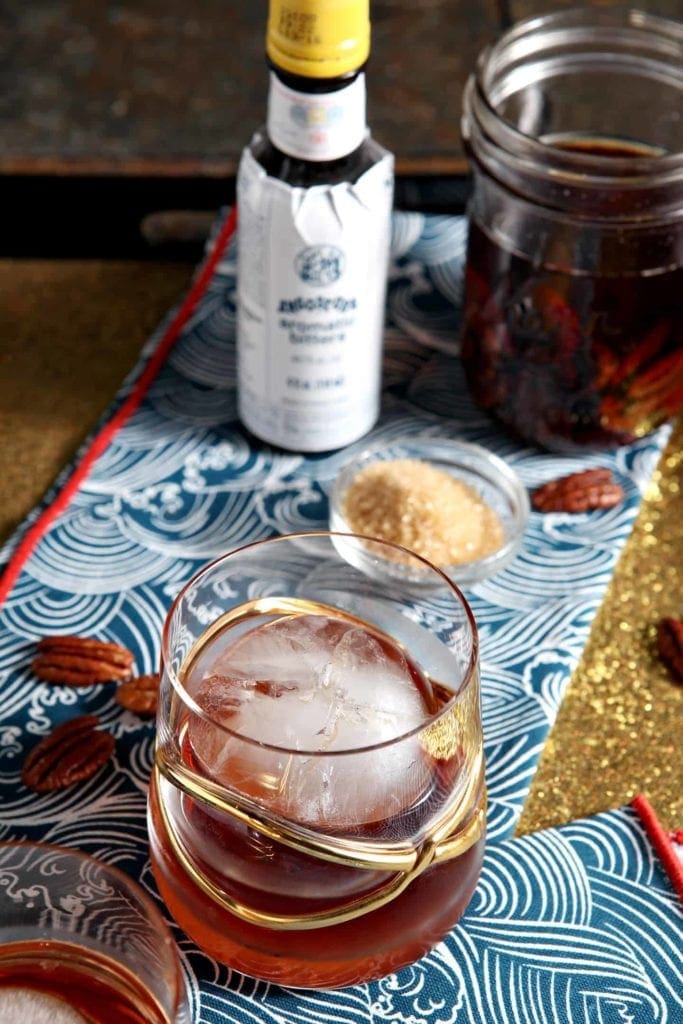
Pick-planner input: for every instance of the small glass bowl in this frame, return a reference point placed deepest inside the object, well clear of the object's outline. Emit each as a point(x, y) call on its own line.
point(492, 478)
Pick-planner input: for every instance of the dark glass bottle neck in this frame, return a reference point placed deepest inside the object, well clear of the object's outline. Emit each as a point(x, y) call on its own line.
point(304, 152)
point(307, 173)
point(302, 83)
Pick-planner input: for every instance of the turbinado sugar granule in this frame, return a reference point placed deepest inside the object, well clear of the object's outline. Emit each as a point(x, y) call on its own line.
point(423, 508)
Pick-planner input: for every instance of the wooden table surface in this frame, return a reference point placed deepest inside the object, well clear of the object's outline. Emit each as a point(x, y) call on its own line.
point(116, 112)
point(163, 87)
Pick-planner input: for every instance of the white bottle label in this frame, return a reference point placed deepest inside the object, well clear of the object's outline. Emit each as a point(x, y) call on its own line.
point(317, 126)
point(312, 271)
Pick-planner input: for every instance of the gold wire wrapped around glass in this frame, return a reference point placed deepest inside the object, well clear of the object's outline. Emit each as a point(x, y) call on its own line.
point(449, 838)
point(319, 760)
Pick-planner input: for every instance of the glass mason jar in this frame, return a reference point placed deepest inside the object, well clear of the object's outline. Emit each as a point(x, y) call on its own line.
point(573, 316)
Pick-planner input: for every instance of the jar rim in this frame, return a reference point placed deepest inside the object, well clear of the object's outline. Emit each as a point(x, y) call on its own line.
point(507, 150)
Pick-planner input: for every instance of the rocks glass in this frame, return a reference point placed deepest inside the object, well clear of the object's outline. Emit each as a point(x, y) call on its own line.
point(79, 940)
point(316, 813)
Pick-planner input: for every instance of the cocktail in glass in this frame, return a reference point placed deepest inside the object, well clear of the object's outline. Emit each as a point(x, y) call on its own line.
point(316, 812)
point(81, 943)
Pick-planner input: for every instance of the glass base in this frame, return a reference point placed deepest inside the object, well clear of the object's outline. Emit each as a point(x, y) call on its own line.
point(379, 943)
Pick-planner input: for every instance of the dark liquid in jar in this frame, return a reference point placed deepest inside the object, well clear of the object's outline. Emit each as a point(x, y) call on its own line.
point(572, 360)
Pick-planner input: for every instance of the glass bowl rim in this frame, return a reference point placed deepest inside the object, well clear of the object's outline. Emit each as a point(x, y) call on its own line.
point(482, 458)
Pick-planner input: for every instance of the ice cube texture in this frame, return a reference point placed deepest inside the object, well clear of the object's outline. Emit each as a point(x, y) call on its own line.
point(27, 1006)
point(323, 690)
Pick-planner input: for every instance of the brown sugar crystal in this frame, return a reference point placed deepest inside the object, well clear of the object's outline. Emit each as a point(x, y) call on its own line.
point(423, 508)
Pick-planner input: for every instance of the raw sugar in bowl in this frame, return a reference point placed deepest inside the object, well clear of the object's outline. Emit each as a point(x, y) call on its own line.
point(317, 809)
point(573, 320)
point(456, 504)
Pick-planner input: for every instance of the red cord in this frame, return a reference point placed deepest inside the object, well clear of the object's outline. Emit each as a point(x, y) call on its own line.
point(660, 841)
point(103, 439)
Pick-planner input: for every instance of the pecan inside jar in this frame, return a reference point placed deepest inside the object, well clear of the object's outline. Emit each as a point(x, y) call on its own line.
point(72, 752)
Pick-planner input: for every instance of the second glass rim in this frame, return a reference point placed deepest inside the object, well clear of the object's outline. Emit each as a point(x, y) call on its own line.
point(468, 675)
point(146, 901)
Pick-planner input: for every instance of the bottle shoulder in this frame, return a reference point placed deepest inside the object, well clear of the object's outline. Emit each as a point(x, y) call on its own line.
point(307, 173)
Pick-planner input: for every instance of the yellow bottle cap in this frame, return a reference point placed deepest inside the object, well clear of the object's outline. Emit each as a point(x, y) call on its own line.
point(318, 38)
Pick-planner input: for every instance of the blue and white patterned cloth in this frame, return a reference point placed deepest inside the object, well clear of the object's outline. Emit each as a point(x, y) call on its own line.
point(574, 925)
point(181, 484)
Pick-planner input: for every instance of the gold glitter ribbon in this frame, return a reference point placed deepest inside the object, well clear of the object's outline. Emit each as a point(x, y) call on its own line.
point(618, 732)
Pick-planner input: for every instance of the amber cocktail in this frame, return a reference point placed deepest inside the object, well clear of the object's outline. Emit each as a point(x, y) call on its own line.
point(81, 942)
point(317, 809)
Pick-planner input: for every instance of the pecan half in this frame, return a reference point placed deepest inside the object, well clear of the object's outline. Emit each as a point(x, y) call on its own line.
point(74, 751)
point(139, 694)
point(579, 492)
point(670, 645)
point(79, 661)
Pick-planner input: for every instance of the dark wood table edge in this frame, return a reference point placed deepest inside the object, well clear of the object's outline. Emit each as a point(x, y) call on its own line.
point(161, 211)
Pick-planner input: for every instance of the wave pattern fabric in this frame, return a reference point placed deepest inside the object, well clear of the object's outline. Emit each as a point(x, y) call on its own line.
point(180, 485)
point(574, 925)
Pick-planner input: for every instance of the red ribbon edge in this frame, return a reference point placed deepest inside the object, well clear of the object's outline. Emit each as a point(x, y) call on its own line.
point(105, 435)
point(661, 842)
